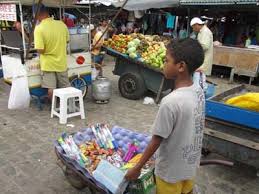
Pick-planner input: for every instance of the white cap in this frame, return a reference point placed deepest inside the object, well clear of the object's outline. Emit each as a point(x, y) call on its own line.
point(197, 21)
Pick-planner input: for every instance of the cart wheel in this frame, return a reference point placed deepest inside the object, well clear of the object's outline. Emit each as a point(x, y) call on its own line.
point(132, 86)
point(74, 179)
point(80, 84)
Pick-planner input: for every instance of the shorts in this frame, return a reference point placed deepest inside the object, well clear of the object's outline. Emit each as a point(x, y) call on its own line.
point(53, 80)
point(98, 59)
point(182, 187)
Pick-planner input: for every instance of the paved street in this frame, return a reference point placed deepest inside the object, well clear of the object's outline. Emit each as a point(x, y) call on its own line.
point(27, 159)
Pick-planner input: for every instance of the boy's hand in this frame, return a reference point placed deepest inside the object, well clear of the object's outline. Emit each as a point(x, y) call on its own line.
point(133, 174)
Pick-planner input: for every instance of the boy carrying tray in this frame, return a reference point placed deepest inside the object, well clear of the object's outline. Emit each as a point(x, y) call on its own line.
point(178, 127)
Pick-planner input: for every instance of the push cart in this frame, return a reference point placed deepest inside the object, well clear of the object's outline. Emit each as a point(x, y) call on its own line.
point(79, 62)
point(136, 78)
point(79, 177)
point(231, 131)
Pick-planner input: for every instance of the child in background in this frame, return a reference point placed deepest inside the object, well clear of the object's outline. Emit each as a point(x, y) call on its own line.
point(96, 52)
point(178, 127)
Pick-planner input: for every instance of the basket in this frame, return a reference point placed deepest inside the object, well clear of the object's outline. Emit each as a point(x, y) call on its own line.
point(144, 185)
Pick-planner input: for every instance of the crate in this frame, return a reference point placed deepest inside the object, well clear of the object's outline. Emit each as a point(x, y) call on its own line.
point(144, 185)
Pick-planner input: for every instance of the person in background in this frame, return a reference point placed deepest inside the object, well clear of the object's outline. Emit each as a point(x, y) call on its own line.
point(51, 38)
point(130, 27)
point(251, 39)
point(177, 131)
point(183, 32)
point(102, 27)
point(136, 28)
point(205, 38)
point(17, 25)
point(70, 23)
point(97, 55)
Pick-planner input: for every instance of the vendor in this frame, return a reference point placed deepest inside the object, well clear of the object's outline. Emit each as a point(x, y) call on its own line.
point(51, 37)
point(205, 38)
point(97, 55)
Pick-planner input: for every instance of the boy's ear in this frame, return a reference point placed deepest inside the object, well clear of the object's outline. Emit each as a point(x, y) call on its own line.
point(182, 66)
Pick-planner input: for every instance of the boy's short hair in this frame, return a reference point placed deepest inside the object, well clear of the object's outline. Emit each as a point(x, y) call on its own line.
point(189, 51)
point(41, 8)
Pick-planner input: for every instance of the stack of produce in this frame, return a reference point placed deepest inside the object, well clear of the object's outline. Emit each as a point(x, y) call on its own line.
point(149, 49)
point(118, 43)
point(155, 55)
point(132, 48)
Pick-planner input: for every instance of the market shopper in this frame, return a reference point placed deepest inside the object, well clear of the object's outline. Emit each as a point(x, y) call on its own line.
point(102, 28)
point(97, 55)
point(178, 128)
point(50, 38)
point(205, 38)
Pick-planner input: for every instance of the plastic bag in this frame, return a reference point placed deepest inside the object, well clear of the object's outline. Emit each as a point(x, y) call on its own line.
point(148, 100)
point(248, 101)
point(95, 73)
point(19, 95)
point(113, 179)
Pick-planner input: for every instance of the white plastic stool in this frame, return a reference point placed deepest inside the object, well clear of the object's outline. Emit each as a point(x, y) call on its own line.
point(67, 106)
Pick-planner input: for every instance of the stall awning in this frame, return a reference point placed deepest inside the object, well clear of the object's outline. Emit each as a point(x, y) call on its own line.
point(218, 2)
point(133, 5)
point(50, 3)
point(147, 4)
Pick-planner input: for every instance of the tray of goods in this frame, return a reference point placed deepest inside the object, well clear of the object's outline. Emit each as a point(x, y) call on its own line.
point(91, 151)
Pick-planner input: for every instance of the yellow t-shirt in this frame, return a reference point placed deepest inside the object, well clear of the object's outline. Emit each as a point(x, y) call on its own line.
point(97, 36)
point(52, 36)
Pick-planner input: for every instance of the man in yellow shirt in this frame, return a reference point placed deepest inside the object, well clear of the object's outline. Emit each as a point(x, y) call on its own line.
point(50, 38)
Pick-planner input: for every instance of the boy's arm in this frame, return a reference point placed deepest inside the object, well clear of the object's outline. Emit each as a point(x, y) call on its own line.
point(134, 173)
point(162, 128)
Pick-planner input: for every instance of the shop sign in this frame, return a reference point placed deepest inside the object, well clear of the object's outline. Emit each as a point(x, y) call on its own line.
point(8, 12)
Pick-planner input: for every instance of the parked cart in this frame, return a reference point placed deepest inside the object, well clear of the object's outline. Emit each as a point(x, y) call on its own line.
point(232, 131)
point(136, 78)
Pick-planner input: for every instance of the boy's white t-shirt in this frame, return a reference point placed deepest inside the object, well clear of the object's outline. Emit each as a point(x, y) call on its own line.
point(180, 121)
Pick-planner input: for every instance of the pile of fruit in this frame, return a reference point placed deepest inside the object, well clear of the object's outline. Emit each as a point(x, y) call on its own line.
point(118, 43)
point(151, 50)
point(155, 55)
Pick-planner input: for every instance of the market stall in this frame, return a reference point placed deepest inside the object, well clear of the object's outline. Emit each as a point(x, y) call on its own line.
point(242, 61)
point(234, 26)
point(21, 60)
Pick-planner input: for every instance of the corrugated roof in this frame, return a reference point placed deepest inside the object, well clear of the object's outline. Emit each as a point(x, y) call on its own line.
point(218, 2)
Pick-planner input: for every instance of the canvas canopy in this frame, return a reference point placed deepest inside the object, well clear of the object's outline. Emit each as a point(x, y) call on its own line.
point(138, 4)
point(147, 4)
